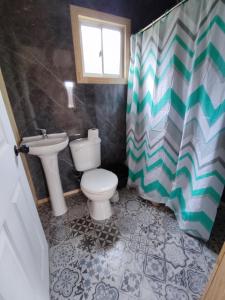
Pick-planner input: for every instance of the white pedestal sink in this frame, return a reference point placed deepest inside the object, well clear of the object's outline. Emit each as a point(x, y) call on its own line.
point(47, 149)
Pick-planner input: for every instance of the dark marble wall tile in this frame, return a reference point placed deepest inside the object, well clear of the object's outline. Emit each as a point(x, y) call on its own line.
point(36, 57)
point(140, 12)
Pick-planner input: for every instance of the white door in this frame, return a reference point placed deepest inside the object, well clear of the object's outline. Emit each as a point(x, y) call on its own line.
point(24, 269)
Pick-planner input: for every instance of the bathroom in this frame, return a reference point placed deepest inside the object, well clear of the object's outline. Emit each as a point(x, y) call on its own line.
point(138, 250)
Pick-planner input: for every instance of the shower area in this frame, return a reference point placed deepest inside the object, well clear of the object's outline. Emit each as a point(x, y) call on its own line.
point(176, 113)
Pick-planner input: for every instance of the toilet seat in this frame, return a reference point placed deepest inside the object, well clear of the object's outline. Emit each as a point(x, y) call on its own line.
point(98, 181)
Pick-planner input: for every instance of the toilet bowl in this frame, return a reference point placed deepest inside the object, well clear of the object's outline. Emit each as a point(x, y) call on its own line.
point(98, 185)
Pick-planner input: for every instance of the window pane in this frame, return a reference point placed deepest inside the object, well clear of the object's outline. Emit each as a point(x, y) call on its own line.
point(91, 44)
point(111, 51)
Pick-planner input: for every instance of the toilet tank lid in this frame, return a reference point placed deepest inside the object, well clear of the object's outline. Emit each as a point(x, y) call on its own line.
point(80, 143)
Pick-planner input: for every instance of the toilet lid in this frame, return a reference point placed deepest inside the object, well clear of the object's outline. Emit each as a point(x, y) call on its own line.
point(98, 180)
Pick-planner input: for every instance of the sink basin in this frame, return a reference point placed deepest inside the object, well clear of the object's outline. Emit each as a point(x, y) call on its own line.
point(47, 149)
point(40, 146)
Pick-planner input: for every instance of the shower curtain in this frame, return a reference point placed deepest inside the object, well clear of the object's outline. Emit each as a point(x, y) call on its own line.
point(176, 113)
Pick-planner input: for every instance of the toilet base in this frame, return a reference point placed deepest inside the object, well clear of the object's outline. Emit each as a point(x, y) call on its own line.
point(99, 210)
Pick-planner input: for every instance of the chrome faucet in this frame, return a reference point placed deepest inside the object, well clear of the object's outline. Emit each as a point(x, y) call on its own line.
point(43, 132)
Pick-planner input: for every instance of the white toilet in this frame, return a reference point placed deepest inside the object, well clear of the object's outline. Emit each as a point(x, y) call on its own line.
point(98, 185)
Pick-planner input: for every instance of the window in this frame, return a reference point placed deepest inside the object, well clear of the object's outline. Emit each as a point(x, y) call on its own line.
point(101, 44)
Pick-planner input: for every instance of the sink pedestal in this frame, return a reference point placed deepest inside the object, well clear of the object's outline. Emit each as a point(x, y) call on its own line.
point(51, 169)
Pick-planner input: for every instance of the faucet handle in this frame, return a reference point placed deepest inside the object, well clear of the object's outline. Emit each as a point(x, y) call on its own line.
point(73, 136)
point(42, 130)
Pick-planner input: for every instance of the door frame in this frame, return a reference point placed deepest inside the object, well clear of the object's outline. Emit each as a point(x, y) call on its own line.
point(210, 290)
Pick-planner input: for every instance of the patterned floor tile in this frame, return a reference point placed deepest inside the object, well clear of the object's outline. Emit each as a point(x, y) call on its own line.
point(138, 254)
point(105, 291)
point(131, 283)
point(62, 254)
point(173, 292)
point(67, 283)
point(195, 281)
point(107, 233)
point(155, 268)
point(175, 255)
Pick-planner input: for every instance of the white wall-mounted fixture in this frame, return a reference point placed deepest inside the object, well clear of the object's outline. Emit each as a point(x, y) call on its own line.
point(69, 85)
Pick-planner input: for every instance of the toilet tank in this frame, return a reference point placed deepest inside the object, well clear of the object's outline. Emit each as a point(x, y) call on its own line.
point(86, 153)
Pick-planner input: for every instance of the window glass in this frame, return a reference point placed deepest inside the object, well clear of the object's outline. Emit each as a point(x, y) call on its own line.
point(91, 45)
point(111, 42)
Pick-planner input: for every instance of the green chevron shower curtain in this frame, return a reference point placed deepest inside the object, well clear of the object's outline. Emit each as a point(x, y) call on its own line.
point(176, 113)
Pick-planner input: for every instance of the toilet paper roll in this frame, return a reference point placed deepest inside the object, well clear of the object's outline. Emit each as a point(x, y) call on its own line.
point(93, 133)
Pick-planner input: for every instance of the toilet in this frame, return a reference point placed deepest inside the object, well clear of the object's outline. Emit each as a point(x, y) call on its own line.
point(98, 185)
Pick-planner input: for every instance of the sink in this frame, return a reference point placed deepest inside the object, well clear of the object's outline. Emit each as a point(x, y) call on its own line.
point(51, 144)
point(47, 149)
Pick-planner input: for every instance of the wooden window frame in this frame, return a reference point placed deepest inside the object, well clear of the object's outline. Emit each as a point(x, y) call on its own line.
point(80, 15)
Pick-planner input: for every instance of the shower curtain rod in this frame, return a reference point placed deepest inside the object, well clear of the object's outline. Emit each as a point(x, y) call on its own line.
point(162, 16)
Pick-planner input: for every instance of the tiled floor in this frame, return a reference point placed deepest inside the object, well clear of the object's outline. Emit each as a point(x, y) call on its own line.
point(139, 253)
